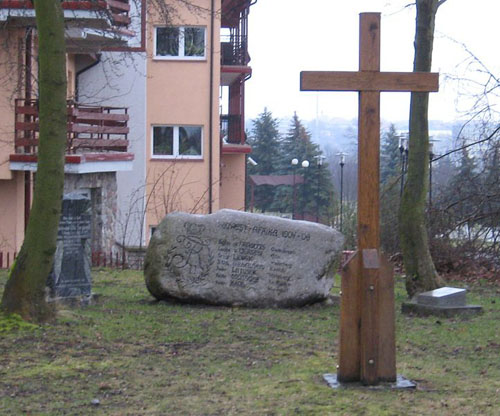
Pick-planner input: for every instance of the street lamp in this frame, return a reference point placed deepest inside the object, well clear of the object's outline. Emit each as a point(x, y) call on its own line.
point(319, 160)
point(431, 157)
point(342, 163)
point(305, 164)
point(252, 185)
point(403, 151)
point(295, 163)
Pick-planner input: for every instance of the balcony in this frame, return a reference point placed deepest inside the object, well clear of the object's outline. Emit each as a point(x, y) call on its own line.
point(231, 128)
point(96, 13)
point(234, 42)
point(96, 138)
point(234, 50)
point(90, 128)
point(233, 134)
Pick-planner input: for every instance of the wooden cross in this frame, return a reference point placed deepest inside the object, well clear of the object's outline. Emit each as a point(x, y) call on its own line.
point(367, 321)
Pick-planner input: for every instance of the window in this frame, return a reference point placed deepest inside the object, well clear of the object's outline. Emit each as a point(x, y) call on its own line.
point(177, 142)
point(180, 42)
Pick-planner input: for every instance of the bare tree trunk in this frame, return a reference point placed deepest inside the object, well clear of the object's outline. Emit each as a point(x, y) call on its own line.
point(25, 289)
point(421, 274)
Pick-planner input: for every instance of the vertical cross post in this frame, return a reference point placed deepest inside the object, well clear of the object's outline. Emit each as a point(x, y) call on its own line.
point(367, 317)
point(368, 200)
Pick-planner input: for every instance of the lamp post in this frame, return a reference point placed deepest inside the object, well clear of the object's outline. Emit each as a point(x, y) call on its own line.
point(431, 157)
point(403, 151)
point(319, 160)
point(252, 185)
point(295, 163)
point(305, 164)
point(342, 163)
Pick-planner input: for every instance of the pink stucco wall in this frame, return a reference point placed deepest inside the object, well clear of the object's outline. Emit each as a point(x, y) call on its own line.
point(232, 192)
point(178, 94)
point(12, 212)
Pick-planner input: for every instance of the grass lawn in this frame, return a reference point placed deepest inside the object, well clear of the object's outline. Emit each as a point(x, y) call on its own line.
point(130, 355)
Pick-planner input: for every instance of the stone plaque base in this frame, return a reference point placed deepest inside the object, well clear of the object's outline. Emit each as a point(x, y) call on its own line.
point(414, 308)
point(443, 297)
point(400, 383)
point(75, 301)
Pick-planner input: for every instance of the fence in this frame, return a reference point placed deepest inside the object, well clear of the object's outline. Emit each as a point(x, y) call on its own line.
point(117, 260)
point(99, 259)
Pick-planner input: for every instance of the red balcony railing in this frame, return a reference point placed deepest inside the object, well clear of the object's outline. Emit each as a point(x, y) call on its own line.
point(90, 128)
point(118, 10)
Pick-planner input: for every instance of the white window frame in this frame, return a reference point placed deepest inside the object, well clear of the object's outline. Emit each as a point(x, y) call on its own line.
point(175, 150)
point(181, 55)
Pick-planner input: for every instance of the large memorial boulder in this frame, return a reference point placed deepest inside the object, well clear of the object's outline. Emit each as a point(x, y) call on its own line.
point(237, 258)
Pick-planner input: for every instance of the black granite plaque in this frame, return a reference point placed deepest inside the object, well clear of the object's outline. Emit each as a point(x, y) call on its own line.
point(70, 276)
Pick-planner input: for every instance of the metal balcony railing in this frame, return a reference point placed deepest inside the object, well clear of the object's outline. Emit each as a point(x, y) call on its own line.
point(231, 127)
point(234, 50)
point(89, 128)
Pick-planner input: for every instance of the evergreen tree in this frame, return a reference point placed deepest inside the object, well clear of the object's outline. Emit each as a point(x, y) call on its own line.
point(390, 156)
point(465, 189)
point(297, 143)
point(390, 177)
point(492, 186)
point(314, 196)
point(264, 140)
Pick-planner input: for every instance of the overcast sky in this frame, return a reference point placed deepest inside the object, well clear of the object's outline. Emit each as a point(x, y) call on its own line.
point(287, 36)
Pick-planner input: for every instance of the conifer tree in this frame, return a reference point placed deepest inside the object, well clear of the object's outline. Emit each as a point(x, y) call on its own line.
point(264, 140)
point(390, 157)
point(390, 177)
point(465, 189)
point(313, 197)
point(492, 185)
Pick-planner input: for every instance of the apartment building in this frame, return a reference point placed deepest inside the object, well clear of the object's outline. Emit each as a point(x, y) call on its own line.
point(184, 83)
point(155, 112)
point(97, 137)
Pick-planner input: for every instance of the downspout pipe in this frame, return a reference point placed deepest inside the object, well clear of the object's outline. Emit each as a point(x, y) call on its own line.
point(211, 110)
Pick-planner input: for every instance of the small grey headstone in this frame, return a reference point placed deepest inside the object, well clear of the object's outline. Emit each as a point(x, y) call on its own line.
point(238, 258)
point(444, 296)
point(70, 277)
point(444, 302)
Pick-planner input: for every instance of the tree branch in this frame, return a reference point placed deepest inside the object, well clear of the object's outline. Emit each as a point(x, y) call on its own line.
point(468, 145)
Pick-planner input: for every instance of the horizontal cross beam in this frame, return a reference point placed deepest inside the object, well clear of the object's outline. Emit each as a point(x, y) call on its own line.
point(369, 81)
